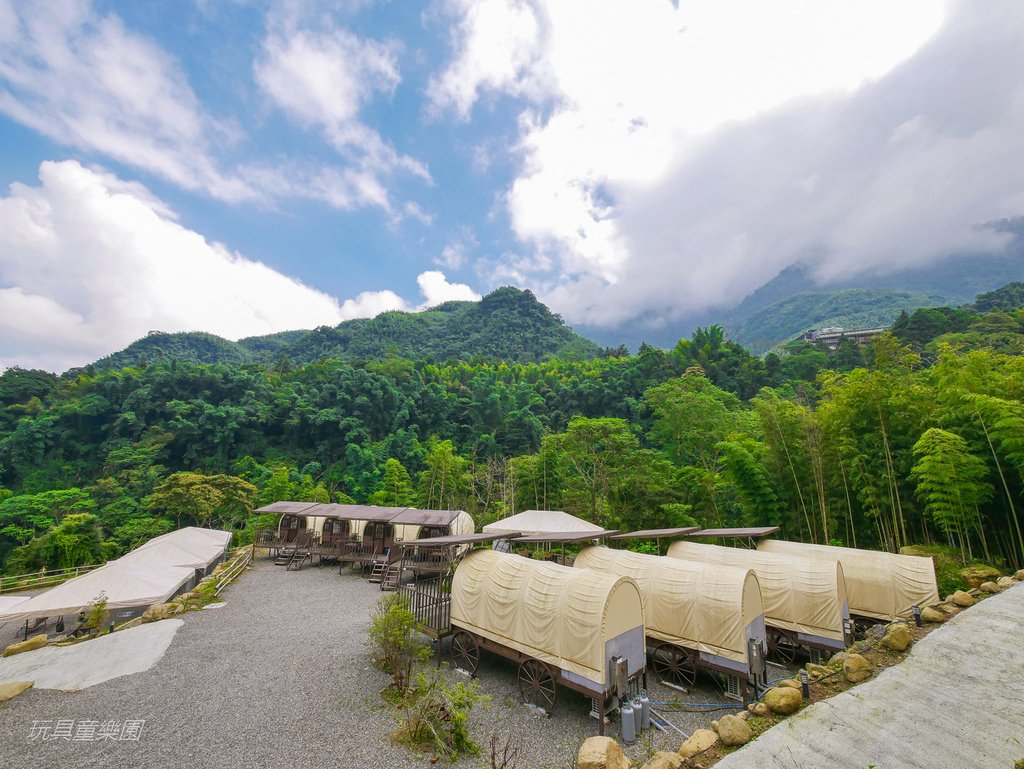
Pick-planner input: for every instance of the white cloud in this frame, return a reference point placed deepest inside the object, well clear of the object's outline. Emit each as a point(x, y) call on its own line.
point(369, 304)
point(454, 255)
point(88, 264)
point(498, 43)
point(436, 289)
point(322, 80)
point(674, 156)
point(82, 79)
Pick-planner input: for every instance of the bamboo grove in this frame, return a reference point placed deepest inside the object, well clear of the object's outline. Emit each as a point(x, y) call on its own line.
point(912, 440)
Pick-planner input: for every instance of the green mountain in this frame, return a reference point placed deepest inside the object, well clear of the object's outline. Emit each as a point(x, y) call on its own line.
point(507, 324)
point(844, 308)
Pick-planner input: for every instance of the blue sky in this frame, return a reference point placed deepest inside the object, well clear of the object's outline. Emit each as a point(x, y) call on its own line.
point(250, 167)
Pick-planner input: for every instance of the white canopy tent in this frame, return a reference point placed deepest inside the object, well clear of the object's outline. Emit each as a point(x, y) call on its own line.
point(151, 573)
point(125, 585)
point(541, 522)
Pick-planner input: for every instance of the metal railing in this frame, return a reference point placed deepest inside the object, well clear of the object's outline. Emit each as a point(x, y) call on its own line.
point(44, 578)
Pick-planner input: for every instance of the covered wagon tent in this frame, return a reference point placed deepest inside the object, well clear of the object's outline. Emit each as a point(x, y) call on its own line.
point(805, 602)
point(696, 615)
point(298, 519)
point(576, 628)
point(879, 585)
point(657, 534)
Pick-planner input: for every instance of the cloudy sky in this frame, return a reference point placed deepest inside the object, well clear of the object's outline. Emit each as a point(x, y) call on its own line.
point(248, 167)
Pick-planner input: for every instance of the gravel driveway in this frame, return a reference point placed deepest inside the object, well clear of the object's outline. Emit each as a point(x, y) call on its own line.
point(280, 676)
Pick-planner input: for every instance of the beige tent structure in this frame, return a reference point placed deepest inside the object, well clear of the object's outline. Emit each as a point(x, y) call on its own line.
point(878, 585)
point(563, 625)
point(199, 549)
point(701, 615)
point(804, 599)
point(541, 522)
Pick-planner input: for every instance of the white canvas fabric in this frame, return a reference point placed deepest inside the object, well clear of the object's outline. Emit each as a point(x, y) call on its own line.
point(878, 585)
point(559, 615)
point(125, 585)
point(699, 606)
point(802, 595)
point(541, 522)
point(151, 573)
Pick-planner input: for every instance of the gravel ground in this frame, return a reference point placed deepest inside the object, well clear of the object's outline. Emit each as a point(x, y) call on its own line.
point(280, 675)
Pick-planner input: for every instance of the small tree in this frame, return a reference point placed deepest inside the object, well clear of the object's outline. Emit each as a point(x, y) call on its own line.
point(96, 613)
point(394, 641)
point(438, 716)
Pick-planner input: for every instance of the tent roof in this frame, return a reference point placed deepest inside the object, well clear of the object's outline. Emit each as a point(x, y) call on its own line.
point(699, 606)
point(878, 584)
point(455, 539)
point(286, 507)
point(799, 594)
point(755, 532)
point(417, 517)
point(657, 533)
point(560, 615)
point(124, 584)
point(542, 522)
point(567, 536)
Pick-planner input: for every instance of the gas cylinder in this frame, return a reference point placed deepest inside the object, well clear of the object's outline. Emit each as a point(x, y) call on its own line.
point(628, 722)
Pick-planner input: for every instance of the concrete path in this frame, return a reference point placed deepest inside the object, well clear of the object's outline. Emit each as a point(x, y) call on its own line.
point(957, 701)
point(71, 668)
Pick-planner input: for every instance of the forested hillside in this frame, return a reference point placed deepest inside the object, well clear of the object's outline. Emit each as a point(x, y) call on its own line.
point(507, 324)
point(915, 439)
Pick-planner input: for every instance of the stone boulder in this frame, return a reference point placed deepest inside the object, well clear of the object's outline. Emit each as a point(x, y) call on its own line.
point(898, 638)
point(1019, 575)
point(876, 632)
point(130, 624)
point(664, 760)
point(601, 753)
point(157, 612)
point(734, 731)
point(698, 742)
point(1005, 582)
point(758, 709)
point(818, 671)
point(962, 599)
point(792, 683)
point(990, 587)
point(973, 576)
point(856, 668)
point(35, 642)
point(13, 689)
point(838, 658)
point(783, 700)
point(928, 614)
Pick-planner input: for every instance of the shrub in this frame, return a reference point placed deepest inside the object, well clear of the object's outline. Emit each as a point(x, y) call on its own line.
point(438, 715)
point(394, 641)
point(96, 613)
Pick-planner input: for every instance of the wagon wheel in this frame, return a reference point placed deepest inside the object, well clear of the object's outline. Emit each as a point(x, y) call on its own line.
point(465, 652)
point(782, 645)
point(673, 665)
point(536, 685)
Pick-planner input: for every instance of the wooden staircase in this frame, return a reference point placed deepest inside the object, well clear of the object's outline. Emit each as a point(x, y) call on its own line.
point(292, 558)
point(389, 580)
point(284, 556)
point(380, 565)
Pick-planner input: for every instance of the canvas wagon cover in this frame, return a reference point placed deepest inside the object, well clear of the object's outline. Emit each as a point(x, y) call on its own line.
point(699, 606)
point(559, 615)
point(880, 585)
point(803, 595)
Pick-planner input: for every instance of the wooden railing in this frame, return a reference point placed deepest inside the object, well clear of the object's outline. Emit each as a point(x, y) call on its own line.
point(43, 578)
point(238, 563)
point(430, 601)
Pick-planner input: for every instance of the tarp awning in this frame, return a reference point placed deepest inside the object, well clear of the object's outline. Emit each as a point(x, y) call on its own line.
point(879, 585)
point(699, 606)
point(802, 595)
